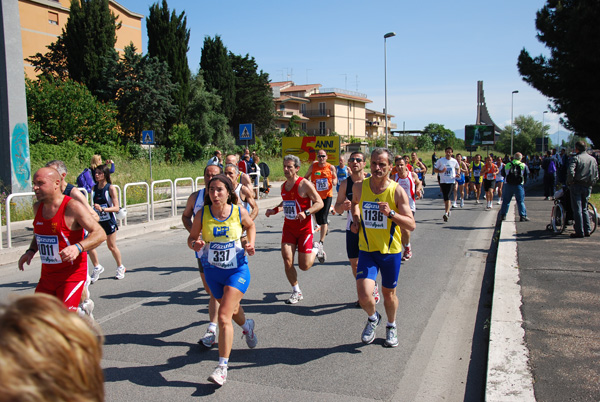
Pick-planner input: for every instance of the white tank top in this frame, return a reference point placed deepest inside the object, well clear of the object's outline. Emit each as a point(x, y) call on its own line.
point(408, 184)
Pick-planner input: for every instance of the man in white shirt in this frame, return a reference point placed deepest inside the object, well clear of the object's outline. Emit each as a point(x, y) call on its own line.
point(449, 169)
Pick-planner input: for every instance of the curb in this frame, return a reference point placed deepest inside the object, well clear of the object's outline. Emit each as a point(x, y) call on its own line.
point(509, 377)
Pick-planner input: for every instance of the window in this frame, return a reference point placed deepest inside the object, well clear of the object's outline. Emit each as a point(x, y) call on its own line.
point(281, 106)
point(350, 106)
point(350, 127)
point(303, 108)
point(303, 127)
point(52, 18)
point(322, 127)
point(321, 108)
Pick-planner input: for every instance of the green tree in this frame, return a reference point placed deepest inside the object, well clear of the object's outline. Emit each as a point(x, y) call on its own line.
point(67, 111)
point(294, 129)
point(424, 143)
point(168, 40)
point(439, 135)
point(143, 87)
point(253, 96)
point(526, 130)
point(90, 37)
point(216, 69)
point(569, 76)
point(53, 62)
point(207, 125)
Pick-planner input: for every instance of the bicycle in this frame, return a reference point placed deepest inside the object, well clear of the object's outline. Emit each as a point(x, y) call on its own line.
point(562, 214)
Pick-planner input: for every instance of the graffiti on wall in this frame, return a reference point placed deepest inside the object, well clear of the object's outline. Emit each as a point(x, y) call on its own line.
point(20, 163)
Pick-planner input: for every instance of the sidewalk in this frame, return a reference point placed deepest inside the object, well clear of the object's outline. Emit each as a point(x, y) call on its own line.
point(559, 280)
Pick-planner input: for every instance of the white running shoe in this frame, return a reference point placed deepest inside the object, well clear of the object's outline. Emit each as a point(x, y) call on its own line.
point(454, 205)
point(219, 376)
point(251, 339)
point(391, 337)
point(407, 255)
point(208, 339)
point(462, 202)
point(120, 272)
point(321, 256)
point(295, 297)
point(499, 202)
point(96, 273)
point(376, 294)
point(368, 334)
point(88, 307)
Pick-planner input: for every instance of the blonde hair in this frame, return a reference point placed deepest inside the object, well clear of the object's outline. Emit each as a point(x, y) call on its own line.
point(96, 161)
point(48, 353)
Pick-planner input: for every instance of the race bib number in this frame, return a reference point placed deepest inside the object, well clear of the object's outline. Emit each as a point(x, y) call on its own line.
point(449, 171)
point(476, 173)
point(289, 209)
point(222, 255)
point(104, 216)
point(490, 176)
point(48, 248)
point(322, 184)
point(372, 217)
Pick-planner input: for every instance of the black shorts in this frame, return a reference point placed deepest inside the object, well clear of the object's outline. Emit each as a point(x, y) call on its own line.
point(109, 227)
point(488, 184)
point(200, 267)
point(322, 215)
point(467, 179)
point(446, 190)
point(351, 244)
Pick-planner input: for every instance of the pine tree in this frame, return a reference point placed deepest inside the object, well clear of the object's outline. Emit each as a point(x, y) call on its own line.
point(569, 77)
point(253, 96)
point(168, 40)
point(89, 37)
point(216, 69)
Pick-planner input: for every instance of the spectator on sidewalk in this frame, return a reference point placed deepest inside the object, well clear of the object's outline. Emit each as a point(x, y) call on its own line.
point(516, 173)
point(582, 175)
point(550, 167)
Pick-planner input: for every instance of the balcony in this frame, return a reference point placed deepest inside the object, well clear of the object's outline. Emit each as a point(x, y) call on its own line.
point(317, 113)
point(318, 131)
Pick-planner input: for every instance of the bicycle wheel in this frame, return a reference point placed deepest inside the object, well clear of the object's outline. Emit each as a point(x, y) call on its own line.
point(558, 218)
point(591, 209)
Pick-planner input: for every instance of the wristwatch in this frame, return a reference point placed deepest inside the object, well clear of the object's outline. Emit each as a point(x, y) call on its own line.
point(307, 212)
point(391, 215)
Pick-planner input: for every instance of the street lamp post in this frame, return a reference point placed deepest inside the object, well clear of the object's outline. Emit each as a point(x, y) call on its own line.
point(387, 35)
point(543, 131)
point(512, 128)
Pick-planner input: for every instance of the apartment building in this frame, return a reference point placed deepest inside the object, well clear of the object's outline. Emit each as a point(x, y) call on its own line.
point(375, 124)
point(42, 21)
point(321, 111)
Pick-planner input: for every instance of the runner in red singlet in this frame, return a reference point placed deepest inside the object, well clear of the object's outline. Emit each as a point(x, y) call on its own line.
point(297, 194)
point(58, 236)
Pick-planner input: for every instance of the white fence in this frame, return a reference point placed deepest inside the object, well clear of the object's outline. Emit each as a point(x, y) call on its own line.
point(149, 203)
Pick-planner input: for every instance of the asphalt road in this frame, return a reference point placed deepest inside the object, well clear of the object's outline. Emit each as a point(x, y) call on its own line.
point(153, 319)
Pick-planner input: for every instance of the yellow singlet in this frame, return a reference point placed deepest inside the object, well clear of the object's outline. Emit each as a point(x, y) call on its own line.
point(223, 247)
point(377, 231)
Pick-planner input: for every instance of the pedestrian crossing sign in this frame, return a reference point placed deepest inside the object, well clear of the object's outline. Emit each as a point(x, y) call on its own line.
point(148, 137)
point(245, 132)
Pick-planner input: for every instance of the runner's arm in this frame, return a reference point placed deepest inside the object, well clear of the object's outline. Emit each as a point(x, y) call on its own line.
point(307, 189)
point(334, 179)
point(341, 198)
point(250, 200)
point(78, 196)
point(250, 228)
point(188, 212)
point(309, 173)
point(33, 248)
point(76, 217)
point(355, 207)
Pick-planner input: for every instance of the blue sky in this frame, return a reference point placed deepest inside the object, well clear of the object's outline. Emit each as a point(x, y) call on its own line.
point(440, 51)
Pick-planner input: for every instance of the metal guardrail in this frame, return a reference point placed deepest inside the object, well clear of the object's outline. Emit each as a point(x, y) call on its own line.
point(170, 199)
point(147, 203)
point(8, 231)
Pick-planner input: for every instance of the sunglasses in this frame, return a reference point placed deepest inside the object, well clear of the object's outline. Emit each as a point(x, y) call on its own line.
point(322, 156)
point(355, 160)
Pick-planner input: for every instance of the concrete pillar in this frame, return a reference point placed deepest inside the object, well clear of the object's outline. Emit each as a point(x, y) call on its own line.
point(15, 167)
